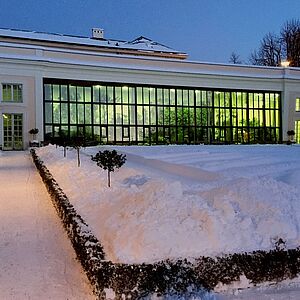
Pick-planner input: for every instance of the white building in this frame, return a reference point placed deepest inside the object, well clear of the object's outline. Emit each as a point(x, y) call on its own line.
point(137, 92)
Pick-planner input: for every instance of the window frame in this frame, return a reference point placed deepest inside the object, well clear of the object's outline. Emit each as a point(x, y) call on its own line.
point(12, 85)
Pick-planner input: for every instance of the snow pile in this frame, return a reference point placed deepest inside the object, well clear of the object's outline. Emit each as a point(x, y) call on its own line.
point(185, 201)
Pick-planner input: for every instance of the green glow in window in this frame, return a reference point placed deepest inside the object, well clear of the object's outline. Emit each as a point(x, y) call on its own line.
point(298, 104)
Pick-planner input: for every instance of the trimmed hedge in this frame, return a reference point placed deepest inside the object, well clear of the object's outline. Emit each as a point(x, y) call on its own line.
point(181, 277)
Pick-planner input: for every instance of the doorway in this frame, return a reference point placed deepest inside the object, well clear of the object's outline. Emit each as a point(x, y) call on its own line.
point(12, 131)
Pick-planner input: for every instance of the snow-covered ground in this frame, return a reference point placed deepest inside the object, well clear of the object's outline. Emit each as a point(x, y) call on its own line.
point(37, 261)
point(159, 190)
point(185, 201)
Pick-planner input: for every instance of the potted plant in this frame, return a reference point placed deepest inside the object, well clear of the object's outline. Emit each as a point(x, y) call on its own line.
point(291, 135)
point(34, 142)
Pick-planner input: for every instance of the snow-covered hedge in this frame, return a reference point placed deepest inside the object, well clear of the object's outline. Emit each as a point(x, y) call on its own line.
point(181, 277)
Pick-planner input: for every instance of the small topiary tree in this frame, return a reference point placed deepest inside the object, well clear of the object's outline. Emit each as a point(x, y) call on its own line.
point(109, 160)
point(77, 143)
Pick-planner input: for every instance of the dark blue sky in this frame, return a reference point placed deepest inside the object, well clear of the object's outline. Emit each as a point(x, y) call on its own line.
point(208, 30)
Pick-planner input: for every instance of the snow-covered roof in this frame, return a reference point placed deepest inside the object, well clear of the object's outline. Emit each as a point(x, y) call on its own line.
point(139, 45)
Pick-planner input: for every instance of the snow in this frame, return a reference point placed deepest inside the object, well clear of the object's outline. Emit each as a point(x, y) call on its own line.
point(137, 44)
point(185, 201)
point(37, 260)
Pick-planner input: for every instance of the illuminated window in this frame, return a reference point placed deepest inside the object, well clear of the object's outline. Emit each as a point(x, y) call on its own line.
point(297, 104)
point(297, 132)
point(118, 113)
point(12, 93)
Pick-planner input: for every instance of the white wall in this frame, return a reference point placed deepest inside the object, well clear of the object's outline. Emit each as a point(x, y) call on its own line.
point(30, 67)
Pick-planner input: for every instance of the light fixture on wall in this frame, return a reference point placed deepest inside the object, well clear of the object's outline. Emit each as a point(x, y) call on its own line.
point(285, 63)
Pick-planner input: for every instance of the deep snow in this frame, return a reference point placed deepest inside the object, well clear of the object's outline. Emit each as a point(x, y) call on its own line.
point(185, 201)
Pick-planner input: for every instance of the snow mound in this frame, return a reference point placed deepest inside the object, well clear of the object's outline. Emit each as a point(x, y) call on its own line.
point(189, 201)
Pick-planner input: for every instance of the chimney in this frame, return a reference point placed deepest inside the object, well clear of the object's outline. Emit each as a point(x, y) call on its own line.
point(97, 33)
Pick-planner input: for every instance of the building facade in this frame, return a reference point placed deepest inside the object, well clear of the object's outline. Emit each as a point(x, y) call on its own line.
point(138, 92)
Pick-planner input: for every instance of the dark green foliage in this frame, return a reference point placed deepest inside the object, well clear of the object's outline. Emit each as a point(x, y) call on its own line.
point(34, 132)
point(109, 160)
point(290, 132)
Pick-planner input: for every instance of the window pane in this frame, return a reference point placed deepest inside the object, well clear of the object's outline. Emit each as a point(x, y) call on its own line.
point(87, 94)
point(146, 95)
point(6, 92)
point(139, 95)
point(132, 114)
point(172, 97)
point(72, 93)
point(118, 114)
point(80, 113)
point(140, 115)
point(18, 93)
point(146, 115)
point(63, 92)
point(48, 112)
point(298, 104)
point(110, 94)
point(111, 114)
point(118, 95)
point(88, 114)
point(79, 94)
point(152, 96)
point(73, 113)
point(56, 113)
point(103, 97)
point(64, 113)
point(159, 96)
point(132, 95)
point(103, 114)
point(125, 115)
point(48, 91)
point(125, 94)
point(166, 97)
point(96, 91)
point(96, 114)
point(118, 133)
point(153, 115)
point(56, 93)
point(185, 98)
point(179, 97)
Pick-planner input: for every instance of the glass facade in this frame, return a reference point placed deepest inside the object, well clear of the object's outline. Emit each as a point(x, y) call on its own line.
point(135, 114)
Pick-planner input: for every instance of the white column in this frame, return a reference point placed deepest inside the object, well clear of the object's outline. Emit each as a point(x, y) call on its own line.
point(39, 122)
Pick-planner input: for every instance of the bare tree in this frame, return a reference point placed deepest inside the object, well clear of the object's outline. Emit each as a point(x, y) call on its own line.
point(275, 48)
point(269, 52)
point(234, 58)
point(290, 39)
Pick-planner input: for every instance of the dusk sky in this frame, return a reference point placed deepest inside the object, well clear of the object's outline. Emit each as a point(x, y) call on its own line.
point(208, 30)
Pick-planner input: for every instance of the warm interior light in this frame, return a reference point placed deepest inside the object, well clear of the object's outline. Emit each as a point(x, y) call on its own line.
point(4, 116)
point(285, 63)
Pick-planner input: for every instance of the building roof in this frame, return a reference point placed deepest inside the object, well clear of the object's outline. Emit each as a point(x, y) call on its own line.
point(139, 46)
